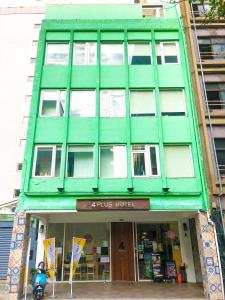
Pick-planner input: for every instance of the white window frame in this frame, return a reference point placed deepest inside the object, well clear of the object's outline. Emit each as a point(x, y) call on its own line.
point(143, 90)
point(115, 43)
point(53, 162)
point(56, 63)
point(109, 103)
point(57, 114)
point(87, 51)
point(162, 52)
point(99, 162)
point(147, 157)
point(183, 99)
point(67, 154)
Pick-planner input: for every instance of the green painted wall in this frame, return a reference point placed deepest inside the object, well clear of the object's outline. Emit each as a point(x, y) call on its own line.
point(184, 193)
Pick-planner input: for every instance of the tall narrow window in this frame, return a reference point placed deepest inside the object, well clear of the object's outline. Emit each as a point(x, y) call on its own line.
point(57, 54)
point(139, 54)
point(82, 104)
point(145, 161)
point(47, 161)
point(113, 161)
point(167, 53)
point(178, 161)
point(80, 162)
point(172, 103)
point(52, 103)
point(85, 53)
point(112, 103)
point(112, 54)
point(220, 153)
point(142, 103)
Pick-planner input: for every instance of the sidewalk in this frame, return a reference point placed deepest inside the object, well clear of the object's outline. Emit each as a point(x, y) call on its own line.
point(123, 291)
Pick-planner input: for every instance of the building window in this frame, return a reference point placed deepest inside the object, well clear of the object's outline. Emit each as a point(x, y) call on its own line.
point(112, 54)
point(220, 154)
point(80, 161)
point(142, 103)
point(85, 54)
point(52, 103)
point(112, 103)
point(113, 161)
point(200, 10)
point(57, 54)
point(152, 11)
point(16, 193)
point(172, 103)
point(178, 161)
point(167, 53)
point(19, 166)
point(139, 54)
point(216, 95)
point(212, 48)
point(47, 161)
point(82, 104)
point(145, 160)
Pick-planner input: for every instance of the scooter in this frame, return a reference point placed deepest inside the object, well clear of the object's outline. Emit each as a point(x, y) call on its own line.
point(39, 282)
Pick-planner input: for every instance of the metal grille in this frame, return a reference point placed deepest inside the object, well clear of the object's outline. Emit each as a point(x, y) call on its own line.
point(5, 240)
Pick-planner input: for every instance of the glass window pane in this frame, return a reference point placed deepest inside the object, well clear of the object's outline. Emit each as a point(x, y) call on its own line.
point(58, 161)
point(153, 159)
point(142, 103)
point(62, 103)
point(80, 161)
point(139, 54)
point(43, 162)
point(113, 162)
point(172, 103)
point(49, 108)
point(53, 103)
point(85, 53)
point(57, 54)
point(170, 52)
point(112, 103)
point(178, 161)
point(112, 54)
point(82, 104)
point(139, 164)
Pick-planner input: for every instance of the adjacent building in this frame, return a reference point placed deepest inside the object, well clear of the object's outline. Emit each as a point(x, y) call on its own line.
point(206, 47)
point(113, 150)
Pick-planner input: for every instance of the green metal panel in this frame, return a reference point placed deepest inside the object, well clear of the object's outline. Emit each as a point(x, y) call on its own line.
point(58, 36)
point(85, 36)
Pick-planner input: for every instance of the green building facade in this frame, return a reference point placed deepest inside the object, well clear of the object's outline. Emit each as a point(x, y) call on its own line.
point(113, 142)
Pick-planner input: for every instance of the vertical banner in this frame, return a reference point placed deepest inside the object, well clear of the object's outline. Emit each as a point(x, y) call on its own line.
point(49, 248)
point(77, 248)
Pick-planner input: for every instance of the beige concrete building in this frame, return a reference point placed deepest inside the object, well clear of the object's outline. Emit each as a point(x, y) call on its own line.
point(206, 47)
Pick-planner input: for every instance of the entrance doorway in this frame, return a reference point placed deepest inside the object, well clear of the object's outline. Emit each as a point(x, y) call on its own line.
point(122, 239)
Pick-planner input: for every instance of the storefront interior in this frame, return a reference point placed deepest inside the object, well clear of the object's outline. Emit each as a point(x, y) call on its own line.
point(147, 251)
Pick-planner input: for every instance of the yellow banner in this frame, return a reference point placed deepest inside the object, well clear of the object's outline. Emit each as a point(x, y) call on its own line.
point(77, 248)
point(49, 248)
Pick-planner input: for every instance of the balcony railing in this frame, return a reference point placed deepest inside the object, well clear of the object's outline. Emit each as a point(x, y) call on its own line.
point(212, 55)
point(222, 170)
point(216, 104)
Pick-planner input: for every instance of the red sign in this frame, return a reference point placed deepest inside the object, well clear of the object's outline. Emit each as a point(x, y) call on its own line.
point(113, 204)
